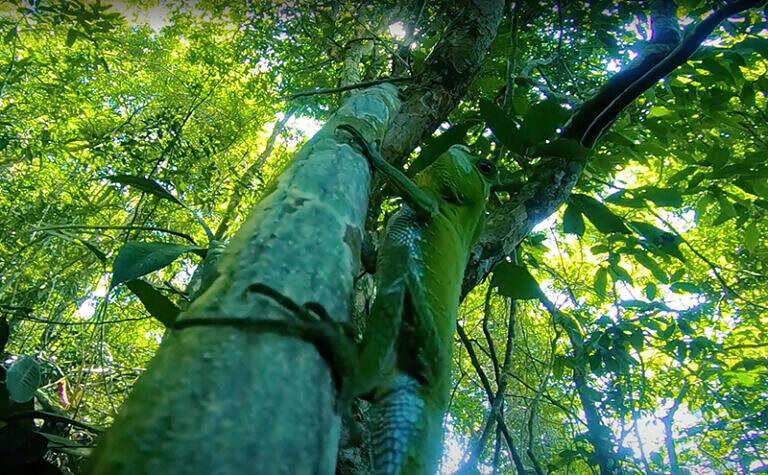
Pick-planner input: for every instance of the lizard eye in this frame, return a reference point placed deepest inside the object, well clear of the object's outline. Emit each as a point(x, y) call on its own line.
point(486, 168)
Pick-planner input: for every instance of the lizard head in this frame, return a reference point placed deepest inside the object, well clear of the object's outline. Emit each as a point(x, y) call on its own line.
point(459, 177)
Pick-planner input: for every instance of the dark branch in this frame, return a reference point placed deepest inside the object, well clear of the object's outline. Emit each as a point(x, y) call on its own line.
point(335, 90)
point(125, 228)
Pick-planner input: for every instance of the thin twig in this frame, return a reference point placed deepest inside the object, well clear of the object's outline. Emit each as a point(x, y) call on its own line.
point(712, 267)
point(335, 90)
point(129, 228)
point(102, 322)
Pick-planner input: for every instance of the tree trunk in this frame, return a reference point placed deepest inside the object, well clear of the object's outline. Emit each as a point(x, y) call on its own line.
point(232, 400)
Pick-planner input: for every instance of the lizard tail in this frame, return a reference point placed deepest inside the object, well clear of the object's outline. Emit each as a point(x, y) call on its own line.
point(394, 418)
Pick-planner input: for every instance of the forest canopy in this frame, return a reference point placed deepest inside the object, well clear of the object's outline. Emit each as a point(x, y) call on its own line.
point(613, 310)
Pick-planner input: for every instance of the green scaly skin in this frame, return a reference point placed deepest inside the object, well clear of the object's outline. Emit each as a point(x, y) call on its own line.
point(405, 356)
point(406, 351)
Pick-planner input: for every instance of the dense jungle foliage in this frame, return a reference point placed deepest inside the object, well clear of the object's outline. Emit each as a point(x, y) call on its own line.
point(629, 324)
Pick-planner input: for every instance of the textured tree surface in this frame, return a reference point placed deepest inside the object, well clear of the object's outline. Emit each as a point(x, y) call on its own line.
point(303, 239)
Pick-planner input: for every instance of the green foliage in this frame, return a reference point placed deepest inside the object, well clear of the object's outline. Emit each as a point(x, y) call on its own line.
point(22, 379)
point(154, 301)
point(662, 294)
point(573, 221)
point(514, 281)
point(598, 214)
point(437, 145)
point(137, 259)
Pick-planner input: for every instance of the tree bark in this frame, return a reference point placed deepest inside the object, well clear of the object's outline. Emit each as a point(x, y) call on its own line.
point(448, 72)
point(232, 400)
point(669, 437)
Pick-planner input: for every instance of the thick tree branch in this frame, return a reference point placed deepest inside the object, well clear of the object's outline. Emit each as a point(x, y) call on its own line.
point(598, 433)
point(669, 439)
point(435, 92)
point(449, 70)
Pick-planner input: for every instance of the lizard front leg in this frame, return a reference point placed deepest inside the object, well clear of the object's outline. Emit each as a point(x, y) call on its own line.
point(424, 204)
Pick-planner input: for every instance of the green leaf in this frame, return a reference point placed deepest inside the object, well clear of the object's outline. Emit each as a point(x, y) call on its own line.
point(22, 379)
point(146, 185)
point(747, 95)
point(157, 304)
point(515, 281)
point(573, 222)
point(635, 304)
point(695, 180)
point(438, 145)
point(717, 156)
point(620, 198)
point(558, 366)
point(95, 250)
point(751, 363)
point(682, 175)
point(658, 111)
point(665, 197)
point(650, 291)
point(601, 281)
point(501, 124)
point(685, 287)
point(136, 259)
point(727, 211)
point(756, 45)
point(541, 121)
point(685, 327)
point(717, 70)
point(619, 139)
point(72, 37)
point(677, 275)
point(598, 214)
point(619, 273)
point(657, 240)
point(650, 264)
point(750, 237)
point(681, 351)
point(636, 338)
point(520, 99)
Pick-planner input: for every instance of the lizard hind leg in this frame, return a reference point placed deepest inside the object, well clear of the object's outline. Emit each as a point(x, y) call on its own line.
point(378, 352)
point(394, 416)
point(398, 411)
point(420, 352)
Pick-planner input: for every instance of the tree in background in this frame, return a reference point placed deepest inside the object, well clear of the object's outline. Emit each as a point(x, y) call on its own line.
point(590, 336)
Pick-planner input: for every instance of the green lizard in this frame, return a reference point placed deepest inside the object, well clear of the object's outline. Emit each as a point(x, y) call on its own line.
point(405, 356)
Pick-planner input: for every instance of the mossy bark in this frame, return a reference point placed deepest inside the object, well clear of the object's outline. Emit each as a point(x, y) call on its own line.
point(229, 400)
